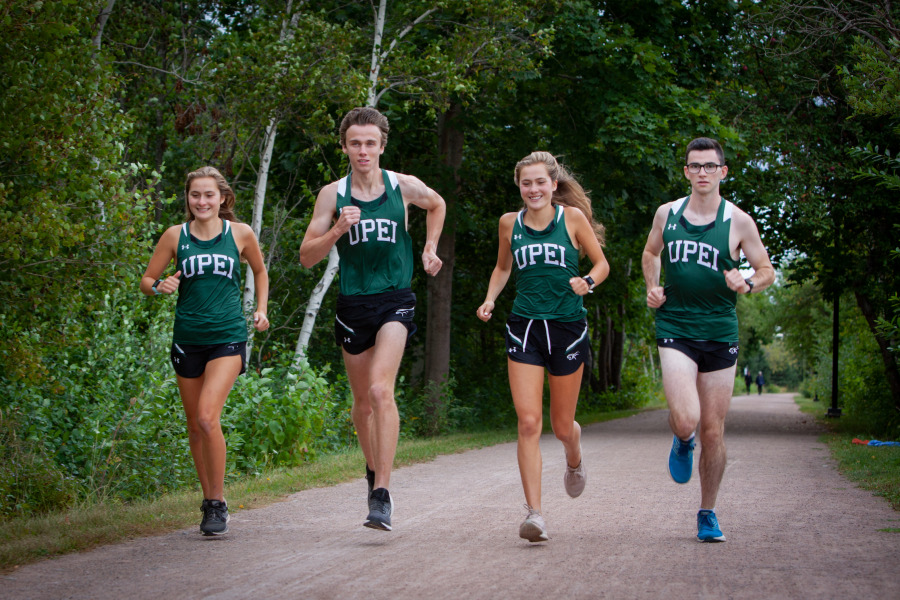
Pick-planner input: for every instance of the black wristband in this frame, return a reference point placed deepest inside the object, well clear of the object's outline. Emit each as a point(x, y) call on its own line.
point(749, 282)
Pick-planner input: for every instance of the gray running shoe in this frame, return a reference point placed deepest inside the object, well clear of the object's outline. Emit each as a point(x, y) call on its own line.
point(533, 527)
point(381, 506)
point(575, 478)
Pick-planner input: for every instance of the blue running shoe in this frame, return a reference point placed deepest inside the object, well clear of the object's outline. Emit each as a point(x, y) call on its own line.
point(681, 460)
point(708, 527)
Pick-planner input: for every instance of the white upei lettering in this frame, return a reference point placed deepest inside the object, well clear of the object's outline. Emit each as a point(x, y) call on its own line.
point(534, 250)
point(185, 271)
point(690, 247)
point(703, 255)
point(384, 230)
point(203, 260)
point(715, 263)
point(354, 234)
point(367, 226)
point(673, 256)
point(550, 254)
point(520, 257)
point(219, 262)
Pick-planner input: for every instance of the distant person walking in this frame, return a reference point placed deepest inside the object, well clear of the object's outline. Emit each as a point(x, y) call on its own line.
point(699, 239)
point(547, 328)
point(760, 382)
point(209, 341)
point(748, 379)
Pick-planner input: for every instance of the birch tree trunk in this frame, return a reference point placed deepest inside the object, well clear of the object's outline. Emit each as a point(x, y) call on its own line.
point(97, 40)
point(259, 191)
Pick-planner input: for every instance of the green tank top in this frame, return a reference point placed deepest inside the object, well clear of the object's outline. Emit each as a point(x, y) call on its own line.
point(376, 253)
point(699, 305)
point(544, 262)
point(208, 310)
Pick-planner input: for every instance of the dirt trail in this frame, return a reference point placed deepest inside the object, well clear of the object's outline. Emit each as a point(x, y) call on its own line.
point(795, 528)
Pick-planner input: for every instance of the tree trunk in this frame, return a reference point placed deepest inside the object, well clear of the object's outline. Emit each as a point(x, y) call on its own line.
point(440, 287)
point(314, 304)
point(890, 361)
point(101, 24)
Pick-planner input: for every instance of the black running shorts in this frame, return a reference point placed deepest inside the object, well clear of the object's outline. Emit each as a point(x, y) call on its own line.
point(559, 346)
point(190, 360)
point(359, 318)
point(709, 356)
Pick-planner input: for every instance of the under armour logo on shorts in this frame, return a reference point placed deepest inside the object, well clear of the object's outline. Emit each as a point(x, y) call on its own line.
point(572, 356)
point(402, 311)
point(346, 340)
point(733, 350)
point(511, 350)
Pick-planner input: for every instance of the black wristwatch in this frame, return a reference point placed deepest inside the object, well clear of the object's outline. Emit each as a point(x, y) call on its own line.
point(749, 282)
point(590, 282)
point(153, 287)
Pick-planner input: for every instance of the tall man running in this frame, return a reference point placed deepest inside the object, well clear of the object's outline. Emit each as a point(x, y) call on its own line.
point(365, 214)
point(700, 239)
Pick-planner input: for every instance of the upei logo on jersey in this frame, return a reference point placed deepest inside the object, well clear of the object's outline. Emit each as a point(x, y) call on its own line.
point(552, 254)
point(385, 230)
point(702, 253)
point(198, 263)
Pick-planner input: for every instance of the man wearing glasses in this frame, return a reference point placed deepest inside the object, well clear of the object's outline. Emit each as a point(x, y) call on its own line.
point(700, 239)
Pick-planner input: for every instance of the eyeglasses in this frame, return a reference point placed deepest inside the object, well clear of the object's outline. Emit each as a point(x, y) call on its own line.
point(708, 167)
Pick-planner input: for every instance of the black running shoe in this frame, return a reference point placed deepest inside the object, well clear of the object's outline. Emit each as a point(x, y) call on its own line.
point(215, 518)
point(203, 506)
point(370, 479)
point(380, 508)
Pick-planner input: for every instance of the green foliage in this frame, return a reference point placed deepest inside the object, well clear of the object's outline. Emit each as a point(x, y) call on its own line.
point(70, 210)
point(110, 416)
point(284, 416)
point(30, 481)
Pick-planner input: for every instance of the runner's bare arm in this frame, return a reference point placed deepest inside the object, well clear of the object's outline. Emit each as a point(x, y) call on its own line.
point(749, 241)
point(321, 235)
point(501, 272)
point(416, 192)
point(163, 254)
point(585, 238)
point(249, 249)
point(651, 263)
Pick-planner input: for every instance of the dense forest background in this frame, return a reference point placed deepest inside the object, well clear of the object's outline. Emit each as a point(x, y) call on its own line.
point(105, 105)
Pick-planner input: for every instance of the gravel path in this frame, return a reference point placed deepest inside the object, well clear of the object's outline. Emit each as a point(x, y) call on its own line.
point(795, 528)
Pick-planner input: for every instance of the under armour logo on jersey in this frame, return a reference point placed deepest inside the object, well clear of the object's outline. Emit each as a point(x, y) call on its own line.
point(185, 246)
point(517, 236)
point(572, 356)
point(673, 226)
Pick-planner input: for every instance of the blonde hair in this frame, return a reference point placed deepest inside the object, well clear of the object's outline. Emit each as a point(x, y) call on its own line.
point(226, 209)
point(568, 191)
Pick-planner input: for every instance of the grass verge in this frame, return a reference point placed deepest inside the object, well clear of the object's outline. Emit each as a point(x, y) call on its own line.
point(873, 468)
point(26, 540)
